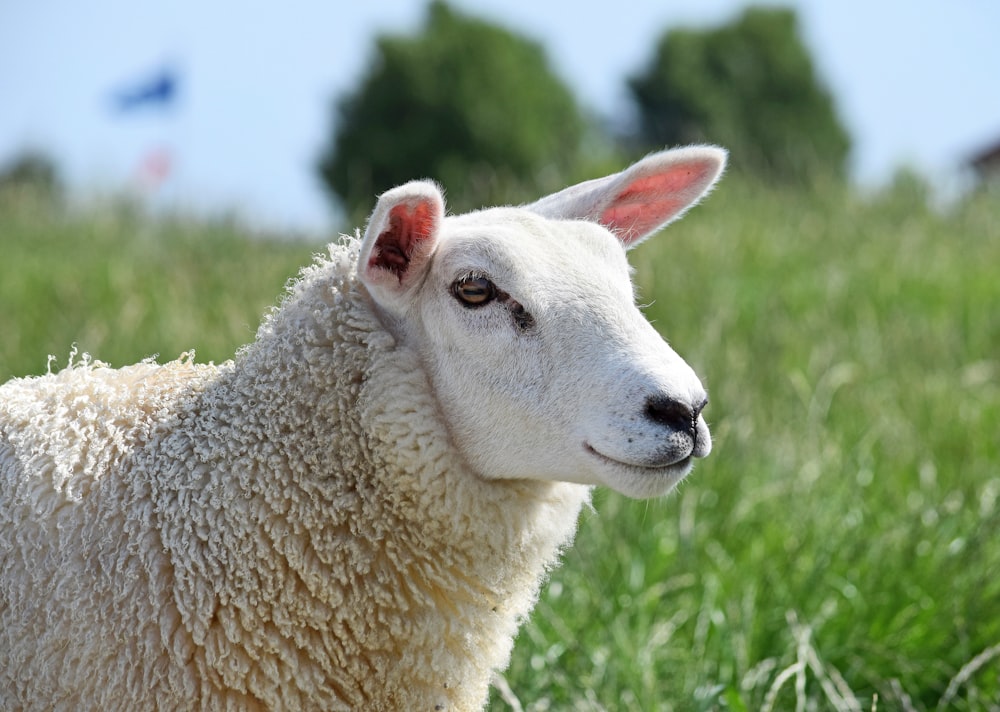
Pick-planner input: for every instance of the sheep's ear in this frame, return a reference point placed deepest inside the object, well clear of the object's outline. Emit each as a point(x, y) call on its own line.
point(399, 241)
point(644, 197)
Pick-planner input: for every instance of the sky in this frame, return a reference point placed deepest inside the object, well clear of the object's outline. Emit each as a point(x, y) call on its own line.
point(916, 83)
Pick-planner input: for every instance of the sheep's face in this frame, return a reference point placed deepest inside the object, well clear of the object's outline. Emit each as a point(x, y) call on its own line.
point(526, 324)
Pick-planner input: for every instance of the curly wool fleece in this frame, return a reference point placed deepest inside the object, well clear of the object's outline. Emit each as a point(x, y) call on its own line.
point(287, 531)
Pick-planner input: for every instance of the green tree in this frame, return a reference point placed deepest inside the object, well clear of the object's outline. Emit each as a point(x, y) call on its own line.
point(750, 86)
point(31, 171)
point(464, 102)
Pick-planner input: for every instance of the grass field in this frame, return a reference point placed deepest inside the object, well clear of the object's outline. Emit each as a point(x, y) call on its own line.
point(838, 551)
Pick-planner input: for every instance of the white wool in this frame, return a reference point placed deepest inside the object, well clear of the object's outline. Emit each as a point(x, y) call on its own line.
point(323, 523)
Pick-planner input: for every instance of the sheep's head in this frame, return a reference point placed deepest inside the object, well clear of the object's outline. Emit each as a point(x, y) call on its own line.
point(526, 324)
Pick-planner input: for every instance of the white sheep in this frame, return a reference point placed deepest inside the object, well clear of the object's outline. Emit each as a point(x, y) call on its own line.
point(357, 512)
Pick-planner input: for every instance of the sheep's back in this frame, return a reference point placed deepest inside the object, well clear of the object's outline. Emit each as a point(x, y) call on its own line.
point(77, 554)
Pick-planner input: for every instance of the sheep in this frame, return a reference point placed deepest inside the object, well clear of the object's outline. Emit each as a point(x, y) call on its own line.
point(356, 512)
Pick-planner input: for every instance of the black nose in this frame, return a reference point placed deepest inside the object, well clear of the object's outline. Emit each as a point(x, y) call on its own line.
point(673, 413)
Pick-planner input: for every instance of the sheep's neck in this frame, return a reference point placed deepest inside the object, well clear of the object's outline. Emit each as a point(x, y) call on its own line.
point(382, 568)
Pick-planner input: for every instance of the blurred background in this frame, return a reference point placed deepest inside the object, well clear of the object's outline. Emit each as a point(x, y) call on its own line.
point(295, 116)
point(166, 168)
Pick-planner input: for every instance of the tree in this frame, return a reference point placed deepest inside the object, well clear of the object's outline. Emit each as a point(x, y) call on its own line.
point(464, 102)
point(32, 171)
point(750, 86)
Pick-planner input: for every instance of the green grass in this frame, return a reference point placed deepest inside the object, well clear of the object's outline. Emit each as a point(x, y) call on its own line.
point(123, 287)
point(838, 550)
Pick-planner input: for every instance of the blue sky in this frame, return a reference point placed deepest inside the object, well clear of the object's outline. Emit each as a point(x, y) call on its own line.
point(916, 82)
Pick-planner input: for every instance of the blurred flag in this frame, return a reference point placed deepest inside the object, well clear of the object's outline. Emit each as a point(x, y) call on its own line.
point(154, 168)
point(156, 91)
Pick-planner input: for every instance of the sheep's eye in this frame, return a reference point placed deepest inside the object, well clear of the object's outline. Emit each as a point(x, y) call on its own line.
point(474, 291)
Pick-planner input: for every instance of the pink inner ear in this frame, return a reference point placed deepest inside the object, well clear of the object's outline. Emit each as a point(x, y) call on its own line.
point(648, 202)
point(408, 226)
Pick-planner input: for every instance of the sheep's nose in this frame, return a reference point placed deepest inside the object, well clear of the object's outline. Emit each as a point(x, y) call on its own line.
point(674, 414)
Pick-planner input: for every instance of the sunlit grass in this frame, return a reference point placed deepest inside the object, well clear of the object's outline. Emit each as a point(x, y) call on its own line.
point(839, 548)
point(123, 287)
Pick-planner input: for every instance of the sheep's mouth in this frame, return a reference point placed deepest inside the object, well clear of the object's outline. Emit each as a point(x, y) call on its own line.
point(641, 480)
point(683, 464)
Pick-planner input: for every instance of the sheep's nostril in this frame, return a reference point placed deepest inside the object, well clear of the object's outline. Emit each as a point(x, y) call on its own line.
point(672, 413)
